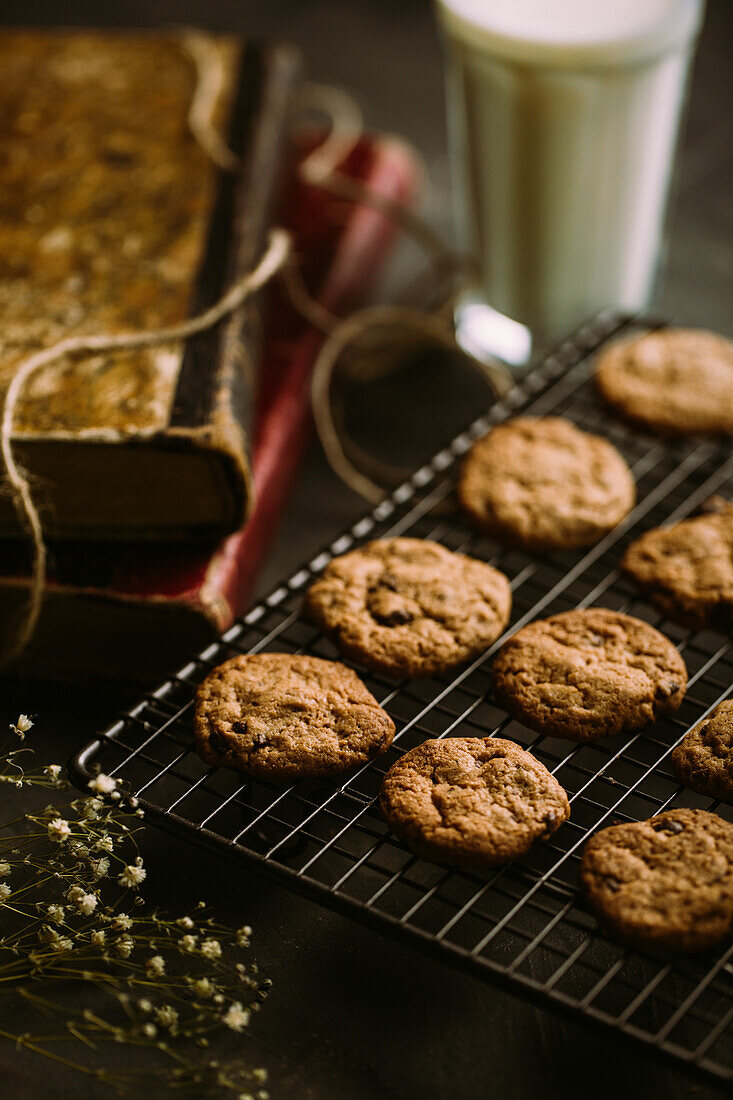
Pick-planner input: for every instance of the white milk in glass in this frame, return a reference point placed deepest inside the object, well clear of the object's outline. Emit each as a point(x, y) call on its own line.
point(563, 116)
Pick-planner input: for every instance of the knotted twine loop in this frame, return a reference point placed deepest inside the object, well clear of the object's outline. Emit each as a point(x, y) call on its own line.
point(321, 169)
point(276, 253)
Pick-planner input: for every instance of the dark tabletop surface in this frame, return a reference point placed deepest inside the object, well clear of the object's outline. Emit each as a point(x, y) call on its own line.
point(353, 1015)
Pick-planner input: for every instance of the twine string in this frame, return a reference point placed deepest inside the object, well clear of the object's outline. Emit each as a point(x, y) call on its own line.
point(274, 257)
point(321, 168)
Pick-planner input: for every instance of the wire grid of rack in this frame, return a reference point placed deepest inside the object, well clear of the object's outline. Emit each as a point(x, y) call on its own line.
point(523, 924)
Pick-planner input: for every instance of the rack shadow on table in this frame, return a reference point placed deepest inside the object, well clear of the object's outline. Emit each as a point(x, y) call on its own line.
point(524, 924)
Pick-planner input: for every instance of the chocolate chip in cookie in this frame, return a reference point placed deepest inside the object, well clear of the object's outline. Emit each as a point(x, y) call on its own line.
point(283, 716)
point(409, 607)
point(703, 760)
point(665, 884)
point(543, 484)
point(588, 674)
point(472, 802)
point(686, 569)
point(672, 381)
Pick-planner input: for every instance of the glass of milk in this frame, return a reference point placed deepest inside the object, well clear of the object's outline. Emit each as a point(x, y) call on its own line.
point(563, 117)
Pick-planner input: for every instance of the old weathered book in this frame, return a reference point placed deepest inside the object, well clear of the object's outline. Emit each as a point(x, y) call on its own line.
point(113, 218)
point(136, 611)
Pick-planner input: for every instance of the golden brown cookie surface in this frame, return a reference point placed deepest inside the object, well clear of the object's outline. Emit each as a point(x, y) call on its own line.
point(703, 760)
point(409, 607)
point(671, 381)
point(543, 483)
point(284, 716)
point(472, 802)
point(687, 569)
point(664, 884)
point(588, 674)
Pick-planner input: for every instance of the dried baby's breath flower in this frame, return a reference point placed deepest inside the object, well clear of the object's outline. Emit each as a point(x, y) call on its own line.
point(102, 784)
point(62, 882)
point(166, 1016)
point(58, 830)
point(124, 946)
point(133, 875)
point(21, 727)
point(236, 1016)
point(155, 966)
point(99, 867)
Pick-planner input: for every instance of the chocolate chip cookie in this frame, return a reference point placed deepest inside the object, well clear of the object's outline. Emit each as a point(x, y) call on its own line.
point(471, 802)
point(409, 607)
point(588, 674)
point(665, 884)
point(286, 717)
point(671, 381)
point(544, 484)
point(686, 570)
point(703, 760)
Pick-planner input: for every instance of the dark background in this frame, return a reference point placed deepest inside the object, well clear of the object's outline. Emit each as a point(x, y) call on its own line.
point(353, 1015)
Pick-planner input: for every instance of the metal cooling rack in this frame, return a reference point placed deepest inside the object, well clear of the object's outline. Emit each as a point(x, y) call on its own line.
point(523, 924)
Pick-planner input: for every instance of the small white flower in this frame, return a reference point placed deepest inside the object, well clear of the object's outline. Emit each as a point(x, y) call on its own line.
point(21, 727)
point(5, 891)
point(47, 934)
point(53, 771)
point(74, 894)
point(150, 1030)
point(91, 808)
point(166, 1016)
point(155, 966)
point(122, 922)
point(188, 943)
point(56, 913)
point(133, 875)
point(102, 784)
point(58, 830)
point(105, 844)
point(203, 988)
point(100, 867)
point(211, 949)
point(98, 938)
point(242, 937)
point(145, 1005)
point(186, 923)
point(86, 904)
point(62, 946)
point(236, 1016)
point(5, 869)
point(124, 946)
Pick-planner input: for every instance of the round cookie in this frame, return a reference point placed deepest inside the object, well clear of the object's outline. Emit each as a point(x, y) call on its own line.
point(672, 381)
point(703, 760)
point(543, 484)
point(409, 607)
point(286, 717)
point(471, 802)
point(588, 674)
point(664, 884)
point(687, 569)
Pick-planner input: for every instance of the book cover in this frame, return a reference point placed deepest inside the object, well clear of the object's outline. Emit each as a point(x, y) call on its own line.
point(113, 218)
point(136, 611)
